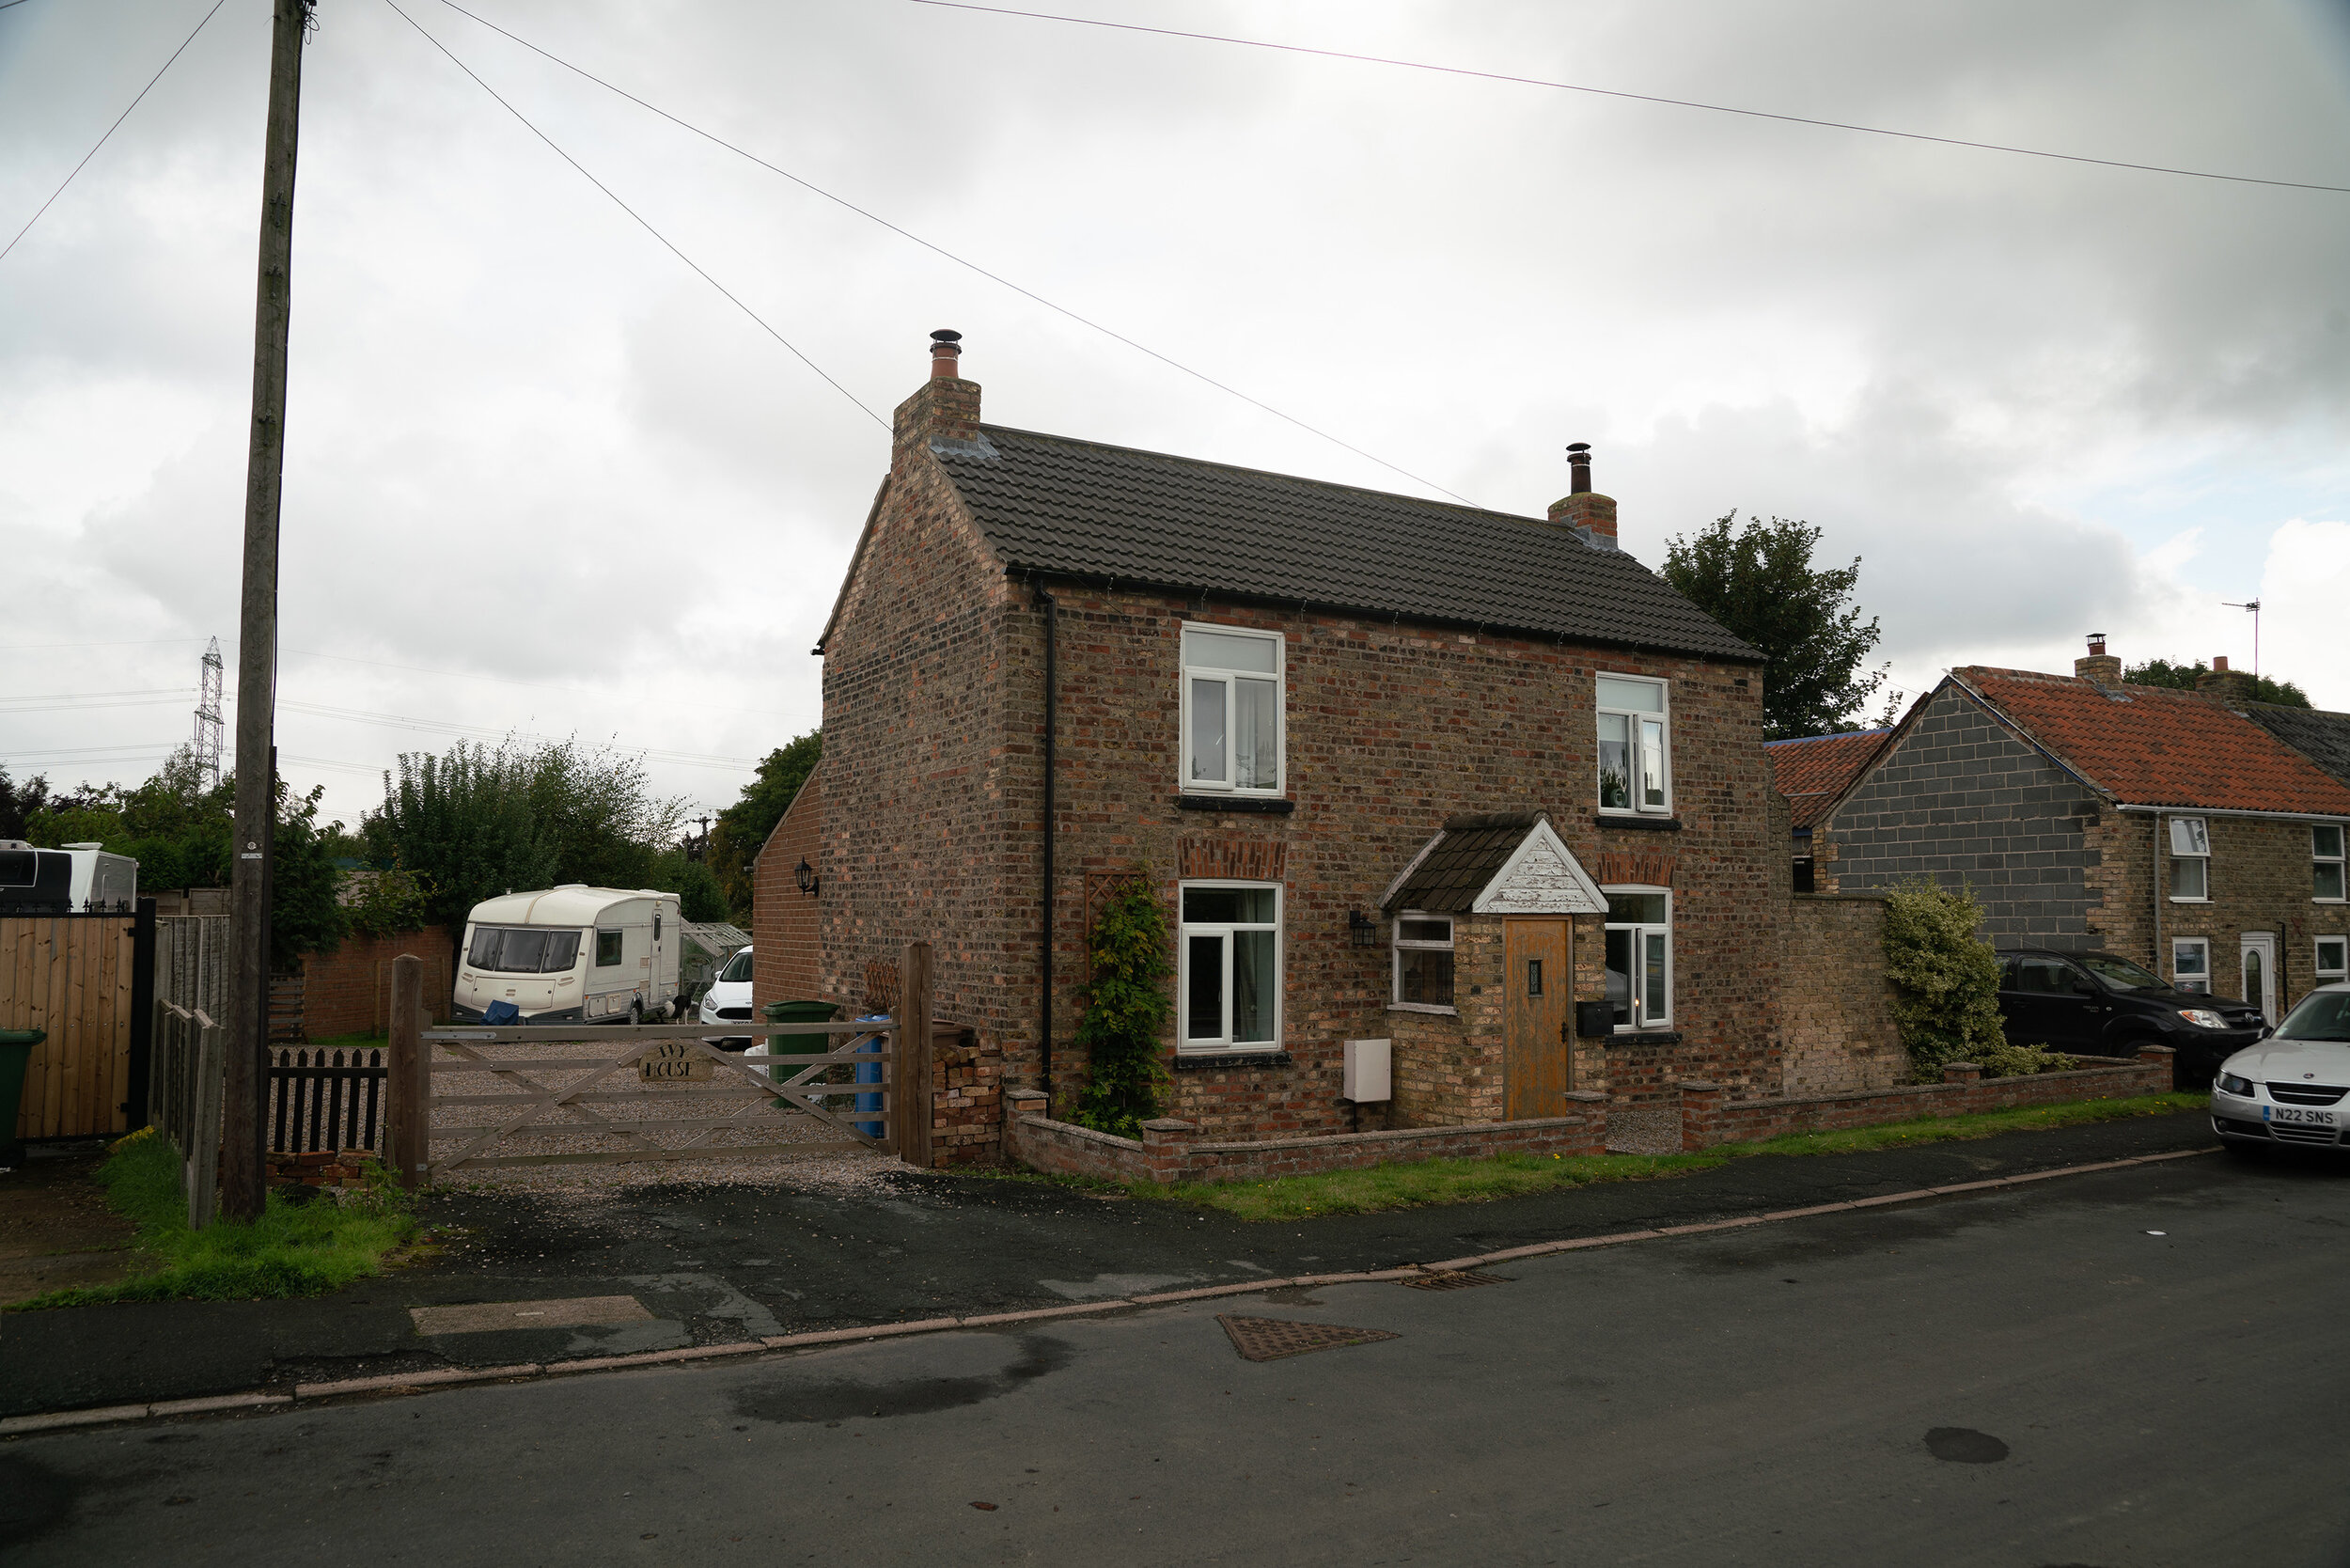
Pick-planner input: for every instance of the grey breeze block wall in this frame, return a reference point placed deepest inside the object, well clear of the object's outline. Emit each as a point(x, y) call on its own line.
point(1961, 800)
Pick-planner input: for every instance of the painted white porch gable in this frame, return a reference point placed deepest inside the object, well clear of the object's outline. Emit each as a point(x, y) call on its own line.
point(1541, 877)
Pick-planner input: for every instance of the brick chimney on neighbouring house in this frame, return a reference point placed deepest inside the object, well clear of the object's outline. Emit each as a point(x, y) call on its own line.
point(1589, 516)
point(2230, 687)
point(945, 409)
point(2100, 667)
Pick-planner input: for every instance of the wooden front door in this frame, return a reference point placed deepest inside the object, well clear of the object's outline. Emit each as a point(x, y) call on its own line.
point(1540, 1004)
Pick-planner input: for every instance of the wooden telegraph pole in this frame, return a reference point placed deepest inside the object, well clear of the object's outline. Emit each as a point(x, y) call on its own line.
point(243, 1165)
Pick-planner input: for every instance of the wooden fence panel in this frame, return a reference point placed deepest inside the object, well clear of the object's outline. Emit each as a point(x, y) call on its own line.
point(69, 975)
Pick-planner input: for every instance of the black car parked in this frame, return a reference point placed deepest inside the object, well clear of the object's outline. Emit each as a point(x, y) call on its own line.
point(2098, 1005)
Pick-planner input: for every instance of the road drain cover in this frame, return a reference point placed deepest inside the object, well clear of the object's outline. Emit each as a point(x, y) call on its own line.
point(1270, 1338)
point(1454, 1279)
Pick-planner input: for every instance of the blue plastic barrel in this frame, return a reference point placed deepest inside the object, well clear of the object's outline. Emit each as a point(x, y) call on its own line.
point(870, 1072)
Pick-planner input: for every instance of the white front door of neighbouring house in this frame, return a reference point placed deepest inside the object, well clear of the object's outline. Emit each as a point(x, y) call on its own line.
point(2258, 955)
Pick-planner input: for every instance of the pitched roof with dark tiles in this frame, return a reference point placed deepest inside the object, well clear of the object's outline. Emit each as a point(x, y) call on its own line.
point(1051, 504)
point(2150, 745)
point(2320, 735)
point(1471, 851)
point(1813, 771)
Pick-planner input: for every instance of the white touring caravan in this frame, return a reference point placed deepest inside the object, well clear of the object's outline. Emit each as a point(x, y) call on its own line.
point(77, 877)
point(572, 954)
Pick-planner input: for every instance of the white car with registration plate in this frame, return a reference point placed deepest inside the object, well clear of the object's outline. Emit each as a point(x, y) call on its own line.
point(2293, 1088)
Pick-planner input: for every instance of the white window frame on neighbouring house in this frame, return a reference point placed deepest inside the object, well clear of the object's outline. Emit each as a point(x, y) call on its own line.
point(2190, 860)
point(1643, 727)
point(2326, 871)
point(1648, 959)
point(1214, 757)
point(1226, 935)
point(1415, 935)
point(2195, 976)
point(2332, 959)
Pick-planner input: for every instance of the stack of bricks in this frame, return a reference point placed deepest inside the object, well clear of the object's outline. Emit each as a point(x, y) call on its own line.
point(327, 1167)
point(966, 1101)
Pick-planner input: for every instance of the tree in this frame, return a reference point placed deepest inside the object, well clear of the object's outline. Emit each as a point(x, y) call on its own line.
point(2183, 678)
point(1758, 581)
point(1946, 978)
point(19, 802)
point(1126, 1008)
point(743, 827)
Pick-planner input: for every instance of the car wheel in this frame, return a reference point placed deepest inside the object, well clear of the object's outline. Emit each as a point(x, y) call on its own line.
point(636, 1014)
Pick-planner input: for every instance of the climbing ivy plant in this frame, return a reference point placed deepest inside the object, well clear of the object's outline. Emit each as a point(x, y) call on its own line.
point(1946, 980)
point(1126, 1011)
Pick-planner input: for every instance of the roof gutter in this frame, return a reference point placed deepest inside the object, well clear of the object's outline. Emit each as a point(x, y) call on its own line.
point(2176, 809)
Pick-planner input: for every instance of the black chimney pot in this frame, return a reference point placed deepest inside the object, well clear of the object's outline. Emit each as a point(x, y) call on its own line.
point(1579, 466)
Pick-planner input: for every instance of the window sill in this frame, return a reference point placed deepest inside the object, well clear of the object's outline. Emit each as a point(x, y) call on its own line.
point(1273, 804)
point(1644, 1037)
point(2175, 898)
point(1195, 1061)
point(1424, 1007)
point(1639, 823)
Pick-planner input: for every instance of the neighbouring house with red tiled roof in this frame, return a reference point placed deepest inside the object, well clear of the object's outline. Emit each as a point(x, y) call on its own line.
point(2163, 826)
point(1811, 773)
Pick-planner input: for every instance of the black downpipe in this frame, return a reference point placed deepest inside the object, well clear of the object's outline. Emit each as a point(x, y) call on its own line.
point(1051, 608)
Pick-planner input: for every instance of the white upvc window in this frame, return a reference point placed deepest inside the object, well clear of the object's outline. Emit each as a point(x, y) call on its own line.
point(2333, 958)
point(1229, 941)
point(1233, 707)
point(2326, 863)
point(2190, 860)
point(1640, 956)
point(1634, 744)
point(2190, 964)
point(1423, 961)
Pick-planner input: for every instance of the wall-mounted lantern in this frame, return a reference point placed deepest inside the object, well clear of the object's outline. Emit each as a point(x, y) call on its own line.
point(1362, 929)
point(805, 875)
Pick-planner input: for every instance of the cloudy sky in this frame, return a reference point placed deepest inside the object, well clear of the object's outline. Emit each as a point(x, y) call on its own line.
point(542, 477)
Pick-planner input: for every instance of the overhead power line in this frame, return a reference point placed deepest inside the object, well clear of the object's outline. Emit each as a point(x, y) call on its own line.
point(640, 219)
point(110, 130)
point(1635, 97)
point(961, 261)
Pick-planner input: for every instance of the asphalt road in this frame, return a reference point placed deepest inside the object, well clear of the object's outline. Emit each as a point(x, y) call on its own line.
point(717, 1264)
point(2132, 1367)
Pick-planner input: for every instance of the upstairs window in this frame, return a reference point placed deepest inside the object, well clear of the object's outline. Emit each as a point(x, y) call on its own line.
point(2325, 862)
point(1640, 957)
point(1423, 961)
point(1232, 710)
point(2190, 860)
point(2333, 960)
point(1635, 750)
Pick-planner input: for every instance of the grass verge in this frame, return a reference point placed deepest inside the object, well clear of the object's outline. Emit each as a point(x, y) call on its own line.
point(292, 1249)
point(1469, 1181)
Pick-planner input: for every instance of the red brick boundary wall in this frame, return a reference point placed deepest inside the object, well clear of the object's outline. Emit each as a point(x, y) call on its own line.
point(1169, 1151)
point(1708, 1120)
point(349, 991)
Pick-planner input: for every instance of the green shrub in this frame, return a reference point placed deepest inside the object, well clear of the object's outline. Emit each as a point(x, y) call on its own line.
point(2018, 1061)
point(1946, 981)
point(1126, 1008)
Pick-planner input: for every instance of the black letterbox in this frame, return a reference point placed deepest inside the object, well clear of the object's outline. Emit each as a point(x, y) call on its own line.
point(1594, 1019)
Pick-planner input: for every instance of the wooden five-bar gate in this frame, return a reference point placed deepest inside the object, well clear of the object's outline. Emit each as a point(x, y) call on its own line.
point(464, 1098)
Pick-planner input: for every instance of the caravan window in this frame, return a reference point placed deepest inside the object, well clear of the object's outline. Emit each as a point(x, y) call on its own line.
point(523, 950)
point(607, 949)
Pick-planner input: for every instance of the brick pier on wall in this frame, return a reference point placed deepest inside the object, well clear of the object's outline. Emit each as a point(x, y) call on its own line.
point(966, 1099)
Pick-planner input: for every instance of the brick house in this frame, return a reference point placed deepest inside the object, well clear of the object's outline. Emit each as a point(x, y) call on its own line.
point(2160, 825)
point(1054, 665)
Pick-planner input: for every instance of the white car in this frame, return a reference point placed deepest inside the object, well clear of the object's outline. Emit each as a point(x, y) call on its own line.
point(729, 1001)
point(2290, 1088)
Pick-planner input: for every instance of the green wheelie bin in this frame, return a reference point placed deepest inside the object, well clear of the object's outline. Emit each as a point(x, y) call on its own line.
point(798, 1045)
point(16, 1054)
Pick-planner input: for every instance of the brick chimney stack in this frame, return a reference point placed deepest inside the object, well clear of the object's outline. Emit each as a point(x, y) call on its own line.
point(2100, 667)
point(1591, 517)
point(2230, 687)
point(946, 409)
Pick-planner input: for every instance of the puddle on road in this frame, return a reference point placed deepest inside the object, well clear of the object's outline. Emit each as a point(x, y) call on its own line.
point(841, 1399)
